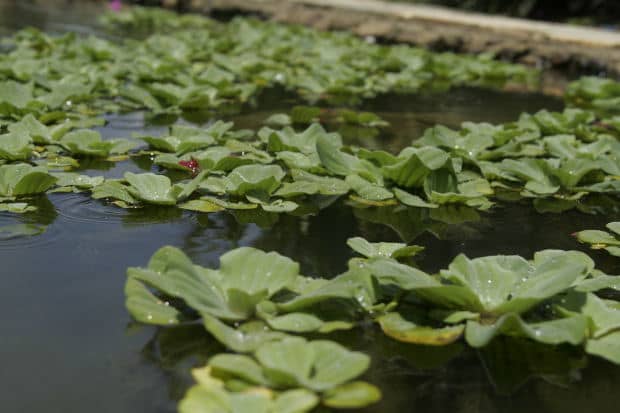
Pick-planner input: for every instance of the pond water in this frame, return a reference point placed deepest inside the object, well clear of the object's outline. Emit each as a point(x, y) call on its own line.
point(68, 344)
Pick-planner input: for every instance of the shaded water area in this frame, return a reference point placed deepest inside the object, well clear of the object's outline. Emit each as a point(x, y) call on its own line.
point(68, 344)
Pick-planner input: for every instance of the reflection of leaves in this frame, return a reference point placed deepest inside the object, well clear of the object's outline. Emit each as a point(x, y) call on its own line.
point(411, 222)
point(382, 249)
point(511, 362)
point(8, 232)
point(172, 346)
point(177, 349)
point(151, 214)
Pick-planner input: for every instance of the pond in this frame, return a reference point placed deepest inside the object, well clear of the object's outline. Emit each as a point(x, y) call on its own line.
point(69, 345)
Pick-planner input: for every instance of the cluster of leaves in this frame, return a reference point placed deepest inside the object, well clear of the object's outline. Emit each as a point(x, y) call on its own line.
point(609, 241)
point(63, 137)
point(257, 304)
point(555, 158)
point(192, 63)
point(598, 94)
point(251, 304)
point(289, 376)
point(545, 300)
point(53, 147)
point(20, 182)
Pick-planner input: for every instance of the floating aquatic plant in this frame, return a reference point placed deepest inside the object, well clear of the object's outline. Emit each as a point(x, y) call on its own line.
point(609, 241)
point(22, 180)
point(292, 375)
point(480, 298)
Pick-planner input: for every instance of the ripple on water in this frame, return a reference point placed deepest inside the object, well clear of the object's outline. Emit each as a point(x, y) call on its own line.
point(82, 208)
point(19, 231)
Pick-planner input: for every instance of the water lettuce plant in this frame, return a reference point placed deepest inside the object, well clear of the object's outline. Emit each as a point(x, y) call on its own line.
point(85, 142)
point(18, 181)
point(479, 298)
point(485, 297)
point(146, 188)
point(560, 160)
point(15, 146)
point(609, 241)
point(259, 306)
point(207, 66)
point(261, 290)
point(292, 375)
point(603, 332)
point(600, 94)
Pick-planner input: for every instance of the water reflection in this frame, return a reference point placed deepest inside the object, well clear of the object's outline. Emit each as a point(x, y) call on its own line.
point(25, 230)
point(509, 375)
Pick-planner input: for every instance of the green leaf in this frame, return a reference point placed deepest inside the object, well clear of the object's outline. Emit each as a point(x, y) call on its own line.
point(15, 146)
point(368, 190)
point(201, 205)
point(319, 365)
point(352, 395)
point(146, 308)
point(172, 273)
point(74, 180)
point(607, 347)
point(334, 160)
point(278, 120)
point(15, 94)
point(241, 366)
point(604, 319)
point(251, 270)
point(260, 178)
point(389, 271)
point(86, 142)
point(201, 400)
point(601, 239)
point(570, 330)
point(305, 142)
point(24, 179)
point(355, 285)
point(509, 283)
point(414, 165)
point(597, 283)
point(151, 188)
point(325, 185)
point(113, 190)
point(396, 327)
point(383, 249)
point(295, 323)
point(30, 126)
point(246, 277)
point(244, 339)
point(412, 200)
point(295, 401)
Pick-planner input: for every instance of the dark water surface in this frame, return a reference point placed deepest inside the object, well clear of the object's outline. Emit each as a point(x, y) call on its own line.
point(68, 345)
